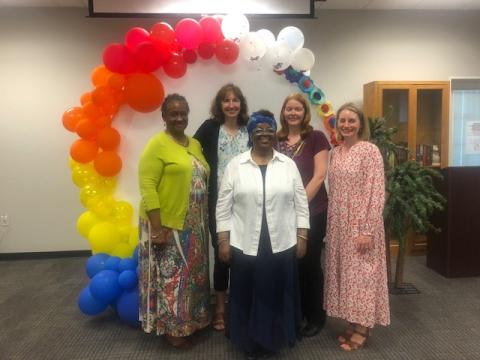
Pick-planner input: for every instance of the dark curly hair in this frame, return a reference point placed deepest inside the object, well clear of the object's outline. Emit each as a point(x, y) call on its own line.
point(216, 107)
point(173, 97)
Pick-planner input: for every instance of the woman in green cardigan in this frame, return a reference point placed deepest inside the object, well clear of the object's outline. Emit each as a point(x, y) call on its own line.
point(174, 279)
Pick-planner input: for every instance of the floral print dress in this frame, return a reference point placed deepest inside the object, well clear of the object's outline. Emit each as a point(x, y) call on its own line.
point(356, 284)
point(175, 286)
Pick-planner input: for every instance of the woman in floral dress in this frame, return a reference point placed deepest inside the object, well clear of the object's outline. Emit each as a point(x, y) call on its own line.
point(174, 280)
point(355, 263)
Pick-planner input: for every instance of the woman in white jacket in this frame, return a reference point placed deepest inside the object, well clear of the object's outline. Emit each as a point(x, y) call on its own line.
point(262, 224)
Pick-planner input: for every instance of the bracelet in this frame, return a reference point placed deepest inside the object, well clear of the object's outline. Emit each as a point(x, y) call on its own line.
point(302, 237)
point(154, 236)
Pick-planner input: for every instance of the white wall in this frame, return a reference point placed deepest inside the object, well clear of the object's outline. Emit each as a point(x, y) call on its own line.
point(46, 57)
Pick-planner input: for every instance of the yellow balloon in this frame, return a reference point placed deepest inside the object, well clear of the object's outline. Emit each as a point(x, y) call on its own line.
point(122, 211)
point(85, 174)
point(102, 206)
point(90, 194)
point(104, 237)
point(124, 228)
point(133, 238)
point(85, 223)
point(122, 250)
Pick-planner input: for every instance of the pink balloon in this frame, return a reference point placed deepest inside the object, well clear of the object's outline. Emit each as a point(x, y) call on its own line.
point(189, 33)
point(117, 58)
point(212, 31)
point(147, 57)
point(136, 36)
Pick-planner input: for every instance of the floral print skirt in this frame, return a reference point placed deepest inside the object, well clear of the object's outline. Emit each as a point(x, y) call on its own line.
point(174, 282)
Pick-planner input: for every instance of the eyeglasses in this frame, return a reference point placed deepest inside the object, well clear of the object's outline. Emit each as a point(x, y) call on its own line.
point(259, 132)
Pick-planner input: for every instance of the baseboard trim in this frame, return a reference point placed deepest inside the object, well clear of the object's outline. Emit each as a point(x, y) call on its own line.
point(44, 255)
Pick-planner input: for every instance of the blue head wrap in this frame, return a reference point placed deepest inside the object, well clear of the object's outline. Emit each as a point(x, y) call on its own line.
point(259, 118)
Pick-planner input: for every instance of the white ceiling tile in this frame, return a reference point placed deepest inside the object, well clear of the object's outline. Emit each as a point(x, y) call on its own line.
point(341, 4)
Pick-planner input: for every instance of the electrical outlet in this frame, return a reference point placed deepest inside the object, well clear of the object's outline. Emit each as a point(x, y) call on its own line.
point(4, 220)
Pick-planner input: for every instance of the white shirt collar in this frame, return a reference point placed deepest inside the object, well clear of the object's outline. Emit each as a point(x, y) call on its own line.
point(247, 157)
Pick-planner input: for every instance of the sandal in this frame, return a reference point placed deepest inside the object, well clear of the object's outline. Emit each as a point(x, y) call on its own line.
point(179, 342)
point(219, 321)
point(356, 341)
point(345, 336)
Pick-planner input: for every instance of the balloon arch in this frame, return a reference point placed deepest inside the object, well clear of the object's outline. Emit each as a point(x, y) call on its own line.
point(126, 78)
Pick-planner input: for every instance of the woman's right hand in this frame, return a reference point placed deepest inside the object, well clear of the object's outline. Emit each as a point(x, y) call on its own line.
point(159, 235)
point(224, 251)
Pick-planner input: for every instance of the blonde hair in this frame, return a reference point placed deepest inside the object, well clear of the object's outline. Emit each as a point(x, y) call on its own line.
point(364, 131)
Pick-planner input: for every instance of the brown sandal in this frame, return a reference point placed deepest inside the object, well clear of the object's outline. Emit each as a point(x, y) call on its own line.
point(345, 336)
point(357, 341)
point(219, 321)
point(179, 342)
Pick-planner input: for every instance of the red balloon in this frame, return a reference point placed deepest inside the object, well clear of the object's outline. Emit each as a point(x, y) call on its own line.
point(163, 33)
point(189, 33)
point(144, 92)
point(227, 52)
point(117, 58)
point(135, 36)
point(86, 129)
point(206, 50)
point(108, 138)
point(212, 31)
point(175, 67)
point(147, 56)
point(83, 151)
point(189, 56)
point(108, 163)
point(72, 117)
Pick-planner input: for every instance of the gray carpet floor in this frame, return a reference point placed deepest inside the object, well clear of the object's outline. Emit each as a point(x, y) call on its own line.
point(39, 319)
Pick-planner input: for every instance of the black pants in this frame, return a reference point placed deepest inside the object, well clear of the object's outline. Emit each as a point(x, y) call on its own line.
point(311, 274)
point(221, 270)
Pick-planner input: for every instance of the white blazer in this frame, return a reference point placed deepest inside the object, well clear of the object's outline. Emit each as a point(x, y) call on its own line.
point(240, 203)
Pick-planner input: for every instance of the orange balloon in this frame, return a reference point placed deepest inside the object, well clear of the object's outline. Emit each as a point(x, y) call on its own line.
point(86, 129)
point(71, 117)
point(108, 138)
point(83, 151)
point(144, 92)
point(103, 121)
point(116, 81)
point(103, 96)
point(85, 97)
point(100, 75)
point(108, 163)
point(91, 110)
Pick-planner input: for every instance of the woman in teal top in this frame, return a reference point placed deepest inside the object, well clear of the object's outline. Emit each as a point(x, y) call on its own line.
point(173, 256)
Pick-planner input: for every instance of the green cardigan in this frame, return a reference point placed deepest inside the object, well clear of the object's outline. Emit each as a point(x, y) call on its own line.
point(165, 176)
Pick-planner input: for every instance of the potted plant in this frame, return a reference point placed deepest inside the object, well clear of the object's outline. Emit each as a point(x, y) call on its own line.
point(411, 196)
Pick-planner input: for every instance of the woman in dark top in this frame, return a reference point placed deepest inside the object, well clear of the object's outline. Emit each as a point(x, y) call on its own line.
point(222, 137)
point(309, 149)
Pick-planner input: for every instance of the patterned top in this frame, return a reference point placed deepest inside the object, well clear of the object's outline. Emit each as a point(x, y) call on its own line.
point(230, 146)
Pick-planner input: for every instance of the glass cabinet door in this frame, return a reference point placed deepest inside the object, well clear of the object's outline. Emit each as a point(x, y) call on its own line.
point(429, 126)
point(395, 112)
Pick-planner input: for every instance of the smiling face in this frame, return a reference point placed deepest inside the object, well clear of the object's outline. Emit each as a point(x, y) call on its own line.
point(348, 124)
point(231, 105)
point(263, 136)
point(176, 117)
point(294, 113)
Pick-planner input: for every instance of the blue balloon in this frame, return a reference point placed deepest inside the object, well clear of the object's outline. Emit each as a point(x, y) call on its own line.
point(112, 263)
point(95, 264)
point(127, 264)
point(88, 304)
point(104, 286)
point(135, 254)
point(127, 307)
point(128, 279)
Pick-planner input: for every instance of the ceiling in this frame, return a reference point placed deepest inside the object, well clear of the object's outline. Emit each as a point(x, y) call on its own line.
point(319, 5)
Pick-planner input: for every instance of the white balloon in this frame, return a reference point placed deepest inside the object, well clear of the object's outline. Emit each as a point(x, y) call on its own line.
point(234, 26)
point(252, 47)
point(303, 59)
point(293, 36)
point(279, 56)
point(267, 37)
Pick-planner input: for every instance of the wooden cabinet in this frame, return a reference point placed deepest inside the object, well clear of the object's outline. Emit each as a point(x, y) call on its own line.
point(420, 112)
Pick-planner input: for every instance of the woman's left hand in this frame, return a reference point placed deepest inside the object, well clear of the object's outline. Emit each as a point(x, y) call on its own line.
point(364, 243)
point(301, 247)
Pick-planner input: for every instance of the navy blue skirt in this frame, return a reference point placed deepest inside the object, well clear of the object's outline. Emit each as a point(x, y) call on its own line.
point(264, 302)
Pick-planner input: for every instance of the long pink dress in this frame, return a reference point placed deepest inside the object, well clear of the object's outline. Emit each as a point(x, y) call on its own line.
point(356, 284)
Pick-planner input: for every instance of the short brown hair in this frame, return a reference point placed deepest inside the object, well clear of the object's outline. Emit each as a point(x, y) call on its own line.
point(306, 128)
point(216, 107)
point(364, 131)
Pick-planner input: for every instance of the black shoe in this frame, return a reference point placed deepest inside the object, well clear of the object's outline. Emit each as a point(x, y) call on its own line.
point(311, 330)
